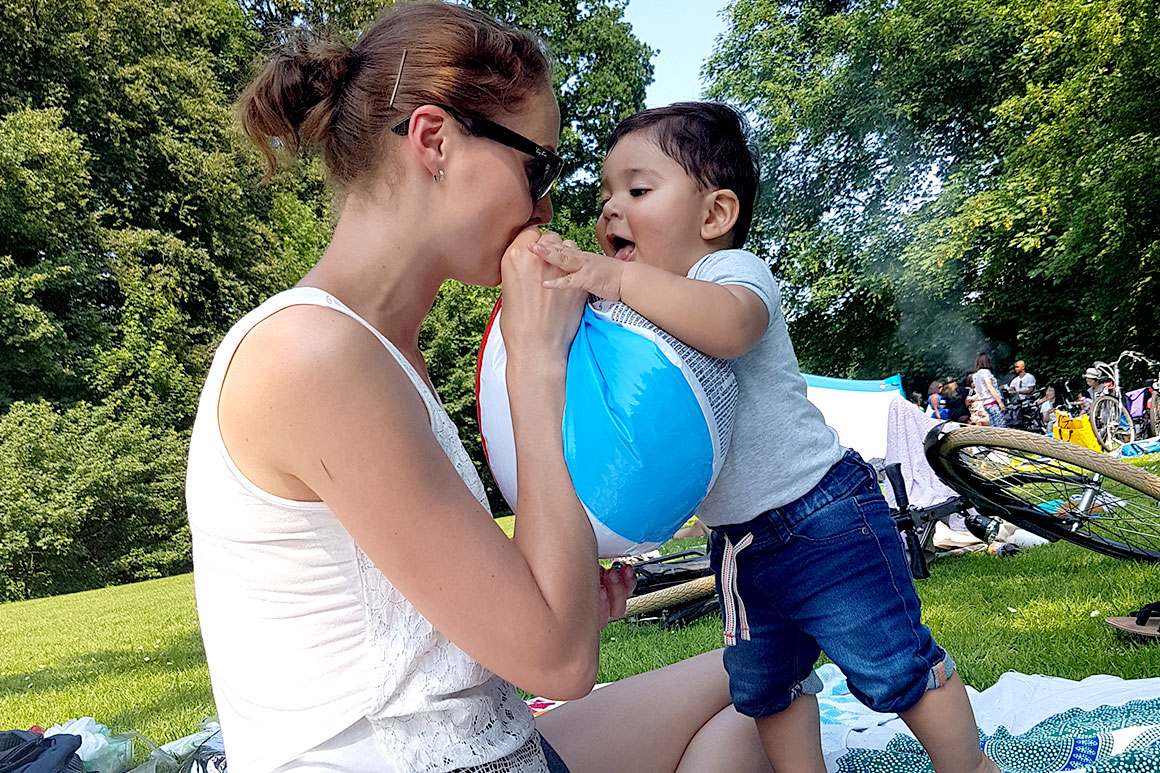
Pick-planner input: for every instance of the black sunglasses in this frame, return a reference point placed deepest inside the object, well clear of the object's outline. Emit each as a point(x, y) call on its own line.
point(544, 167)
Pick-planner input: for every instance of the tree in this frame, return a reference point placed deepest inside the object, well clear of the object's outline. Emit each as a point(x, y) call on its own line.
point(134, 232)
point(52, 295)
point(87, 499)
point(944, 173)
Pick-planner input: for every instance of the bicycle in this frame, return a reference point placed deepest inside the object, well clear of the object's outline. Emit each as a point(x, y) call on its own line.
point(1119, 417)
point(1051, 488)
point(1023, 410)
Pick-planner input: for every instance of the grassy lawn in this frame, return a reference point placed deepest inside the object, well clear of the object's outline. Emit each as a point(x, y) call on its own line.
point(132, 657)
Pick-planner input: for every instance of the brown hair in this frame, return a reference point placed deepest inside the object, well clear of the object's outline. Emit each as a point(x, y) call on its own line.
point(318, 93)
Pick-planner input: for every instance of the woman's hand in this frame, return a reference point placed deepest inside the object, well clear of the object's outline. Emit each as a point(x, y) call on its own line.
point(536, 320)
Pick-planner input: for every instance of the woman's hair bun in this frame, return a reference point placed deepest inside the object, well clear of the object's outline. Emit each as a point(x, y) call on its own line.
point(296, 97)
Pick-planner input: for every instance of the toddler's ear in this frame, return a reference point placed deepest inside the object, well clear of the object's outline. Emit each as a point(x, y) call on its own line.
point(721, 209)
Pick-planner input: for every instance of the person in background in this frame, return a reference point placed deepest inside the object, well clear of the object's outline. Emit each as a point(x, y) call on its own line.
point(1024, 382)
point(987, 391)
point(956, 405)
point(1096, 384)
point(1047, 405)
point(934, 401)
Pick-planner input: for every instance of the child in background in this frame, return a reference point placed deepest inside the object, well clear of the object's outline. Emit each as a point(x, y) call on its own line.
point(806, 554)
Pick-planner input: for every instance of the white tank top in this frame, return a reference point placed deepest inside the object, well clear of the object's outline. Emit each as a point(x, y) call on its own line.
point(305, 637)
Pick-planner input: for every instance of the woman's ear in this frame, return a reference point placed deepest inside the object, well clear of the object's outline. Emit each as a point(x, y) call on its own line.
point(426, 137)
point(721, 209)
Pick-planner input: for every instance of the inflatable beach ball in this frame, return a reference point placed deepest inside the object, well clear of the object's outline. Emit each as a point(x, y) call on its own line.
point(647, 421)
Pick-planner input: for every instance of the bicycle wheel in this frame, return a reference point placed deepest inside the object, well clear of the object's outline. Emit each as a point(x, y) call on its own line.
point(1111, 422)
point(1055, 487)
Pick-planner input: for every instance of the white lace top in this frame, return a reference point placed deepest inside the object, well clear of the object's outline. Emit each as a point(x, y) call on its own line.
point(305, 636)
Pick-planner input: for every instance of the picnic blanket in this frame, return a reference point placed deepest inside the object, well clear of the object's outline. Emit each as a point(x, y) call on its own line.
point(1027, 724)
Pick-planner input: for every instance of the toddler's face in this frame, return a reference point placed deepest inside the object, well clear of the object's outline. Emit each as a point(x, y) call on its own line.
point(652, 210)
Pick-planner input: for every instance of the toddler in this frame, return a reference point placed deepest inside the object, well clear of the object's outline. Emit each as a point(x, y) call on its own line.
point(806, 555)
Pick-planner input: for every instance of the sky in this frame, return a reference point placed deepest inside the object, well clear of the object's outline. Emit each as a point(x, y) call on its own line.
point(684, 31)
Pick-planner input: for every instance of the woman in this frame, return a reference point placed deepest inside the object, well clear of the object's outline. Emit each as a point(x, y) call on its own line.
point(360, 609)
point(956, 405)
point(987, 391)
point(934, 401)
point(1047, 405)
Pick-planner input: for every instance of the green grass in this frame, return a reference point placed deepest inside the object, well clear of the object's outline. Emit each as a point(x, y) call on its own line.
point(1150, 462)
point(132, 657)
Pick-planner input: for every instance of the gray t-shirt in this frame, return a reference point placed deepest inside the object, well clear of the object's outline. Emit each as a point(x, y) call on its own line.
point(781, 446)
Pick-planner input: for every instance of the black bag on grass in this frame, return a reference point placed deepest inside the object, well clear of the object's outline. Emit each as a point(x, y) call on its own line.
point(22, 751)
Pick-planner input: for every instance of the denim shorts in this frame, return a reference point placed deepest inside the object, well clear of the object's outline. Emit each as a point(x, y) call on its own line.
point(825, 573)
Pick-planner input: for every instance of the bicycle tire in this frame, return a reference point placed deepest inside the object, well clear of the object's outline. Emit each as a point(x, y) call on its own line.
point(1111, 422)
point(1041, 482)
point(649, 602)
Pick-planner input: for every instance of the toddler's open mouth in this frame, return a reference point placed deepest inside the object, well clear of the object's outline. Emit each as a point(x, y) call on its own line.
point(624, 249)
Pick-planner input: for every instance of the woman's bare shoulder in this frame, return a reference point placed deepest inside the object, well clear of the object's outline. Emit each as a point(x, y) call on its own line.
point(304, 373)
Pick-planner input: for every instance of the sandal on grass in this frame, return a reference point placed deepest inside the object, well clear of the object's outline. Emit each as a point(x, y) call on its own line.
point(1142, 622)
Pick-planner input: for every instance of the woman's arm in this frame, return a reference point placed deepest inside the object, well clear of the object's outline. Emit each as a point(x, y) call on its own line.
point(313, 397)
point(990, 381)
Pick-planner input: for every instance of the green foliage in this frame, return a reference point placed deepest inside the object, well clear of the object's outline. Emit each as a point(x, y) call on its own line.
point(87, 498)
point(51, 294)
point(134, 232)
point(962, 172)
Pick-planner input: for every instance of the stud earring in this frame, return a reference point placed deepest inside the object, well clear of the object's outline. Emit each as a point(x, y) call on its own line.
point(438, 177)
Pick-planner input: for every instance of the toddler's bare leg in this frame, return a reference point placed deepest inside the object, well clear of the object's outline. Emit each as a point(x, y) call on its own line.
point(792, 739)
point(944, 724)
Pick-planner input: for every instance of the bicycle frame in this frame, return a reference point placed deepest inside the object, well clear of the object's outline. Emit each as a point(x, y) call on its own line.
point(1132, 424)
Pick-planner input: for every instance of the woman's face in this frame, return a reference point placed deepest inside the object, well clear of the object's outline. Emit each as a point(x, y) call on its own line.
point(496, 201)
point(1050, 393)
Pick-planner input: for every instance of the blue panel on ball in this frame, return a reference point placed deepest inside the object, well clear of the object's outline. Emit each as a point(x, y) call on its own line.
point(640, 466)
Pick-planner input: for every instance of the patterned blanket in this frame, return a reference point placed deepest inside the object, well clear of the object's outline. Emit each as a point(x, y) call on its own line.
point(1027, 724)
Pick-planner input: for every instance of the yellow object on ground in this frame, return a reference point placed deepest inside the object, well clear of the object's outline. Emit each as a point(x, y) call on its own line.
point(1076, 429)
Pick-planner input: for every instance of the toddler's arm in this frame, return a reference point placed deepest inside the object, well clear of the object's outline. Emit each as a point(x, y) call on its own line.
point(721, 320)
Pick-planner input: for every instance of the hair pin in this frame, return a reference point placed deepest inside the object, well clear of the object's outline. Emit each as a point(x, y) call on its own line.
point(398, 78)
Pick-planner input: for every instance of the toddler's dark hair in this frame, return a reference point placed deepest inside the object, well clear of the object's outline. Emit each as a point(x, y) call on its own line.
point(713, 144)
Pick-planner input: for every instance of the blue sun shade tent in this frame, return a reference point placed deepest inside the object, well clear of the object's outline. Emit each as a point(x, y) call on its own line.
point(856, 409)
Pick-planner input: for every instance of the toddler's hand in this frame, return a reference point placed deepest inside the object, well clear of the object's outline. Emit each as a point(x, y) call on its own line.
point(598, 274)
point(616, 585)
